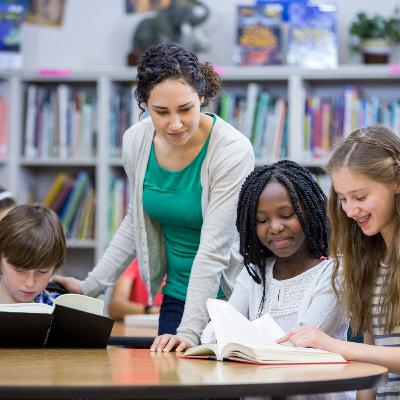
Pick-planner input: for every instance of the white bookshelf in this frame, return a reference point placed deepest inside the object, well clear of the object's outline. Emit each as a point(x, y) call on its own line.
point(18, 172)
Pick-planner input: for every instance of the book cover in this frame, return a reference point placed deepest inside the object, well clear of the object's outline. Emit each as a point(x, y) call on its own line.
point(259, 35)
point(55, 189)
point(74, 321)
point(4, 122)
point(241, 340)
point(312, 41)
point(12, 14)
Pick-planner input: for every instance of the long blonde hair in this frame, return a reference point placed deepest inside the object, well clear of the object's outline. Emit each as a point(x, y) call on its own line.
point(374, 152)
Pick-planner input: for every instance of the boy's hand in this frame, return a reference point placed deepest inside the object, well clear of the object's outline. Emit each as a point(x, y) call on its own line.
point(71, 284)
point(169, 342)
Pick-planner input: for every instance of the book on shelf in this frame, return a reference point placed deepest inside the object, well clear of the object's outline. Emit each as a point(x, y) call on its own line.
point(12, 15)
point(238, 339)
point(4, 111)
point(119, 199)
point(74, 321)
point(142, 320)
point(312, 41)
point(60, 122)
point(259, 36)
point(74, 201)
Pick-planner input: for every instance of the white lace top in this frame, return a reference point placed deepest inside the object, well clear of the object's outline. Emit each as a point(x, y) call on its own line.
point(283, 298)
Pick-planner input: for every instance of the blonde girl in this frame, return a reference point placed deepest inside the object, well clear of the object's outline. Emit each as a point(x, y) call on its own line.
point(364, 211)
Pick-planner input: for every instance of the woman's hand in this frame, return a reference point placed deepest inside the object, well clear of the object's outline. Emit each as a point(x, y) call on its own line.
point(71, 284)
point(169, 342)
point(308, 336)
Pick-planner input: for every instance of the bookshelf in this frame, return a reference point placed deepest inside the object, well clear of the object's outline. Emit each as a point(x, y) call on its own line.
point(28, 176)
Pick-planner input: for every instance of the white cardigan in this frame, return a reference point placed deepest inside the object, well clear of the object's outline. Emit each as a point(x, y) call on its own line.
point(229, 159)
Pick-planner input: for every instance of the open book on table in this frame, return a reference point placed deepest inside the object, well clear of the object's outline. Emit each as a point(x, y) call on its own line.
point(239, 339)
point(74, 321)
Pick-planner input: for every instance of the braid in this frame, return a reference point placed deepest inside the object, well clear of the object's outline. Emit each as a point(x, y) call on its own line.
point(309, 203)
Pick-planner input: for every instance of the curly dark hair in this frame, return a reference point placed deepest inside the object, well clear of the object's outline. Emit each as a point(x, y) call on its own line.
point(309, 203)
point(172, 61)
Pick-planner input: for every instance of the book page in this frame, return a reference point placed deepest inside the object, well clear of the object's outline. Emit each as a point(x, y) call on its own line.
point(231, 326)
point(34, 308)
point(266, 324)
point(81, 302)
point(203, 350)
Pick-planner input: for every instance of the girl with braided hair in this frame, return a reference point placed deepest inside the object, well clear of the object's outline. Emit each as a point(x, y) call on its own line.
point(364, 211)
point(283, 229)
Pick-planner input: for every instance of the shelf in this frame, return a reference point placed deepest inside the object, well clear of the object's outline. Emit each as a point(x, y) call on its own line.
point(59, 162)
point(26, 176)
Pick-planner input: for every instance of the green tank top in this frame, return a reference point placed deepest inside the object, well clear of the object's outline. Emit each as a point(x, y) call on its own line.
point(174, 199)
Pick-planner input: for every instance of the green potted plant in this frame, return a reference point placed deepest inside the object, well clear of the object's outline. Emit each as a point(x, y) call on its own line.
point(375, 35)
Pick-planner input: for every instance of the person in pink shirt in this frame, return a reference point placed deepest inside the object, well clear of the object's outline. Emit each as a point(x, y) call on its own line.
point(130, 295)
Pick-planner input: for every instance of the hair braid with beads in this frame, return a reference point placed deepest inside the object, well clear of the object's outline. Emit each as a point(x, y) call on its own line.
point(309, 203)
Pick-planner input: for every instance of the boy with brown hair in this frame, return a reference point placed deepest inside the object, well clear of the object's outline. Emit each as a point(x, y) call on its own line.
point(32, 248)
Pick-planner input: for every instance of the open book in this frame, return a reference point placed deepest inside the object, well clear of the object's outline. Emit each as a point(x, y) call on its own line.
point(239, 339)
point(74, 321)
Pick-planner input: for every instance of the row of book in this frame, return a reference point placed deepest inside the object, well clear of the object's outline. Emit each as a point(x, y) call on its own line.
point(259, 115)
point(327, 120)
point(124, 113)
point(4, 112)
point(73, 199)
point(60, 122)
point(119, 200)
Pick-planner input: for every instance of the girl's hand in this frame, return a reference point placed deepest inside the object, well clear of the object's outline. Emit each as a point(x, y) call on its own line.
point(71, 284)
point(169, 342)
point(308, 336)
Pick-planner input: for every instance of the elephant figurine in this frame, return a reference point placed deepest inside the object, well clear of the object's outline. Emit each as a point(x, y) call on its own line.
point(175, 23)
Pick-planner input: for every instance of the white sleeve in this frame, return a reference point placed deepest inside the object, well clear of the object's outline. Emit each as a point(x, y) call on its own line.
point(324, 310)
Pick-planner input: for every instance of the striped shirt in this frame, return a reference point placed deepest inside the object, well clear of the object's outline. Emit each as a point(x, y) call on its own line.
point(391, 390)
point(46, 297)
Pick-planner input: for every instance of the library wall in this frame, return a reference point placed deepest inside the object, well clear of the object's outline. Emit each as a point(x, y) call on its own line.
point(97, 33)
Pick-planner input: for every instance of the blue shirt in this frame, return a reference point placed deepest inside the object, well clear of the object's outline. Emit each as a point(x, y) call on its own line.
point(46, 297)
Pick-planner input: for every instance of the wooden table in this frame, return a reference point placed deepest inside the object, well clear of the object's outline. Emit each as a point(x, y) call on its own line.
point(120, 373)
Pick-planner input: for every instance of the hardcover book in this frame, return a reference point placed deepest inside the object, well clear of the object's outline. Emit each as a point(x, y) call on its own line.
point(259, 37)
point(74, 321)
point(312, 39)
point(238, 339)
